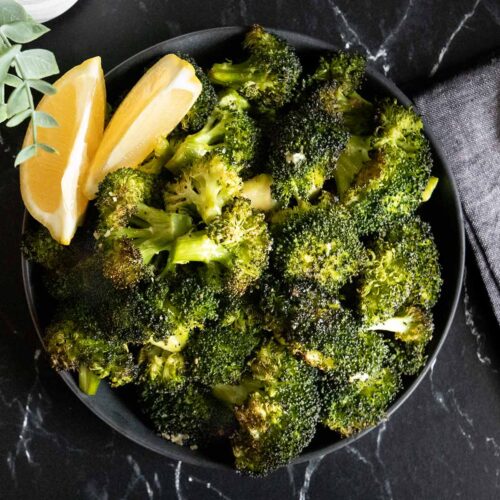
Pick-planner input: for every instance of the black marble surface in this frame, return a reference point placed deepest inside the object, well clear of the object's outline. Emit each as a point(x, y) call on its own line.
point(442, 443)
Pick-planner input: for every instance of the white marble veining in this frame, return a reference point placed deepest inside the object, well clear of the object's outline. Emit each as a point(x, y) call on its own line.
point(350, 36)
point(450, 39)
point(311, 468)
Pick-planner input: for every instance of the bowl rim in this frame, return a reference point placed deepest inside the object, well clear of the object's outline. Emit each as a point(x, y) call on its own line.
point(457, 284)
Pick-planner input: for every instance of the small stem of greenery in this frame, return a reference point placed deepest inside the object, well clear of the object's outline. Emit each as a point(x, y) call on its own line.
point(31, 67)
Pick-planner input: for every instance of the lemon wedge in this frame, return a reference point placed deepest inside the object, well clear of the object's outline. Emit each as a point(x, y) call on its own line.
point(152, 109)
point(51, 184)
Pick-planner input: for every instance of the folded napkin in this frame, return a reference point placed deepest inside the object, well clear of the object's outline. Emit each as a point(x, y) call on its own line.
point(464, 115)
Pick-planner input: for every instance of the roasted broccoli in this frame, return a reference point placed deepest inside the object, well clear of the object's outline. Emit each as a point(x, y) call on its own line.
point(352, 405)
point(268, 77)
point(203, 188)
point(93, 356)
point(238, 241)
point(319, 244)
point(204, 105)
point(191, 416)
point(402, 268)
point(303, 152)
point(412, 328)
point(278, 419)
point(229, 132)
point(338, 78)
point(164, 368)
point(381, 180)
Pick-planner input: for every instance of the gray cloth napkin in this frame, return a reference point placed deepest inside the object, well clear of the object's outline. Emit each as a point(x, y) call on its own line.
point(464, 115)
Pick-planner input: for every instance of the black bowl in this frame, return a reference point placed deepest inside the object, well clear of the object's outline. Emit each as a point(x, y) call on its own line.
point(443, 212)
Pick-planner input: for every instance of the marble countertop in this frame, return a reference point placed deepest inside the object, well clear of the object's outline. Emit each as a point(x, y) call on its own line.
point(443, 442)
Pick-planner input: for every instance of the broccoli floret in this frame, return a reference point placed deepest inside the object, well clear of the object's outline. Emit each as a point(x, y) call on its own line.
point(268, 77)
point(277, 420)
point(172, 307)
point(382, 183)
point(39, 247)
point(191, 416)
point(218, 354)
point(119, 194)
point(360, 402)
point(319, 244)
point(204, 105)
point(403, 267)
point(355, 155)
point(412, 328)
point(206, 186)
point(238, 241)
point(72, 348)
point(339, 77)
point(228, 132)
point(130, 232)
point(303, 152)
point(163, 368)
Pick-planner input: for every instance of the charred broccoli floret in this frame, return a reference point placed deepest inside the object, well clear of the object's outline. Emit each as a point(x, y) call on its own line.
point(339, 78)
point(204, 105)
point(303, 152)
point(352, 405)
point(403, 267)
point(191, 416)
point(172, 307)
point(381, 180)
point(218, 354)
point(320, 245)
point(278, 419)
point(203, 188)
point(268, 77)
point(163, 368)
point(412, 328)
point(229, 132)
point(237, 241)
point(94, 358)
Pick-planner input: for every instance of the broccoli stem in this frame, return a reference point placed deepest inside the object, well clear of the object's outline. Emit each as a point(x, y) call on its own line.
point(197, 145)
point(197, 247)
point(88, 381)
point(396, 324)
point(163, 229)
point(235, 74)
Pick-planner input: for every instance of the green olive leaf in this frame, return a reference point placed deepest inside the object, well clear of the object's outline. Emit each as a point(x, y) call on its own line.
point(11, 12)
point(12, 80)
point(19, 118)
point(41, 86)
point(42, 119)
point(18, 101)
point(47, 148)
point(23, 31)
point(7, 55)
point(36, 63)
point(25, 154)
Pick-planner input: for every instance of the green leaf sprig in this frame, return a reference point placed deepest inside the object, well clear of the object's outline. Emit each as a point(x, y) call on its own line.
point(23, 71)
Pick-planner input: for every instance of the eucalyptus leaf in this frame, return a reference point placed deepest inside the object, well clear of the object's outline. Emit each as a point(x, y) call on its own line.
point(45, 120)
point(47, 148)
point(24, 31)
point(19, 118)
point(18, 101)
point(25, 154)
point(7, 55)
point(41, 86)
point(11, 12)
point(12, 80)
point(36, 63)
